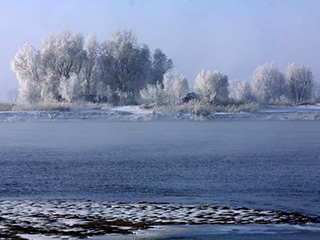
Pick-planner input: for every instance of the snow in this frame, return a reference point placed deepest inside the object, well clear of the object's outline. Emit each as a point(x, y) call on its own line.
point(132, 109)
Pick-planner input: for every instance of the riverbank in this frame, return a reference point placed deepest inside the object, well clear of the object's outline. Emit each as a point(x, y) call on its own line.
point(138, 113)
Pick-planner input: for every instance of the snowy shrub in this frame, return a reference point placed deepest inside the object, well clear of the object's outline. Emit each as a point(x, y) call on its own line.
point(198, 107)
point(268, 83)
point(153, 94)
point(201, 108)
point(206, 109)
point(242, 107)
point(42, 106)
point(6, 106)
point(212, 86)
point(174, 88)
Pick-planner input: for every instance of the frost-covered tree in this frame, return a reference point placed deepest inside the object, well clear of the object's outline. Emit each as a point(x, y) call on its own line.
point(160, 65)
point(115, 70)
point(62, 56)
point(144, 66)
point(26, 65)
point(233, 85)
point(29, 92)
point(124, 63)
point(212, 86)
point(175, 87)
point(268, 83)
point(299, 81)
point(180, 87)
point(50, 87)
point(244, 92)
point(70, 55)
point(70, 89)
point(90, 66)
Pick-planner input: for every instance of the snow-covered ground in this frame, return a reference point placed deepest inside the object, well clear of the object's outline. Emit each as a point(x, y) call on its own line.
point(137, 113)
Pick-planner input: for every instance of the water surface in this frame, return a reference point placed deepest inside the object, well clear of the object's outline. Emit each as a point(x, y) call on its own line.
point(261, 164)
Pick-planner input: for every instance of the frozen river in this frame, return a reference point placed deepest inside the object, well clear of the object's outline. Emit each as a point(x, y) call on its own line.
point(268, 165)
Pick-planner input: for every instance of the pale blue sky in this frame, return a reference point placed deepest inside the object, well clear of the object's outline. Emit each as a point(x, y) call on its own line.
point(232, 36)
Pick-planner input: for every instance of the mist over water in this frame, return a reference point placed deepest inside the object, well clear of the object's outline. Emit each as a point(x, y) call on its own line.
point(268, 165)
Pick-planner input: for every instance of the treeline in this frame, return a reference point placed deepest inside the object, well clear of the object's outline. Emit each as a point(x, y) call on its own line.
point(121, 71)
point(268, 85)
point(69, 68)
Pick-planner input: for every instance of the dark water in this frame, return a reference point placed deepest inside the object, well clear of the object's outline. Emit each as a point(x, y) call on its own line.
point(260, 164)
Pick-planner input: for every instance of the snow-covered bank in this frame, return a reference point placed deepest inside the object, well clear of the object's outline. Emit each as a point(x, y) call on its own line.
point(137, 113)
point(89, 218)
point(303, 112)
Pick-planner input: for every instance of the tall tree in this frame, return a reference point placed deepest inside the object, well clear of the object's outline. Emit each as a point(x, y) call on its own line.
point(268, 83)
point(90, 66)
point(62, 56)
point(299, 80)
point(124, 64)
point(160, 65)
point(26, 65)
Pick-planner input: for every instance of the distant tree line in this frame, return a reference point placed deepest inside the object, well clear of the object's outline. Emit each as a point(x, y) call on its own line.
point(269, 84)
point(121, 71)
